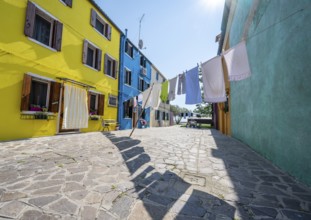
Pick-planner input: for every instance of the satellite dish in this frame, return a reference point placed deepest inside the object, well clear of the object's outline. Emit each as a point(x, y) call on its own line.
point(140, 44)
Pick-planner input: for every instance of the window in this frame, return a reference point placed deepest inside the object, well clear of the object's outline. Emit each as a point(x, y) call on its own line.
point(128, 77)
point(157, 115)
point(141, 84)
point(128, 109)
point(100, 25)
point(96, 103)
point(67, 2)
point(111, 66)
point(43, 27)
point(157, 76)
point(39, 94)
point(163, 115)
point(92, 55)
point(143, 61)
point(113, 101)
point(129, 49)
point(167, 116)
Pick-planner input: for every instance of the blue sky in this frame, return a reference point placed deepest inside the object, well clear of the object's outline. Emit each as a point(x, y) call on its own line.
point(177, 34)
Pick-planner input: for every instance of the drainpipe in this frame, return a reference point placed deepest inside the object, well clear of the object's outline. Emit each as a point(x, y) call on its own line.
point(121, 75)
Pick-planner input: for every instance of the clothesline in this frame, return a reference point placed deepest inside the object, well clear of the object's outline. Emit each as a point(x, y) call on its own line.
point(236, 60)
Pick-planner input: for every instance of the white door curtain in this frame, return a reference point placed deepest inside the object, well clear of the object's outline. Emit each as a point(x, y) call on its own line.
point(75, 114)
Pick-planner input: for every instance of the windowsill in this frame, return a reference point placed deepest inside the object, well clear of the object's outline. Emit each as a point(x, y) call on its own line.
point(36, 112)
point(129, 56)
point(114, 106)
point(128, 85)
point(101, 34)
point(91, 67)
point(127, 118)
point(110, 76)
point(41, 44)
point(63, 3)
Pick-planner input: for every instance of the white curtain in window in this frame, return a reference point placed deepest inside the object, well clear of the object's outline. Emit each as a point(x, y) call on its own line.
point(75, 108)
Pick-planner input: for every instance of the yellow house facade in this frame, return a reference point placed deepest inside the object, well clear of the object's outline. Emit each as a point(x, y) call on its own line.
point(46, 46)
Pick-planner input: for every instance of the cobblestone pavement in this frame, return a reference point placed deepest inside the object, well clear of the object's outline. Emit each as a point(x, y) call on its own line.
point(159, 173)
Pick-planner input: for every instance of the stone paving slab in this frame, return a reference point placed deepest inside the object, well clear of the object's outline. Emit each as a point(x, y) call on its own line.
point(159, 173)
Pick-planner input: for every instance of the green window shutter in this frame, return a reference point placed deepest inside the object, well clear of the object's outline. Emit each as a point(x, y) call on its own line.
point(30, 19)
point(26, 92)
point(57, 44)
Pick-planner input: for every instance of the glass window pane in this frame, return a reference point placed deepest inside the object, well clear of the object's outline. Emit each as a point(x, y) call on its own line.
point(38, 95)
point(90, 57)
point(93, 107)
point(99, 26)
point(42, 30)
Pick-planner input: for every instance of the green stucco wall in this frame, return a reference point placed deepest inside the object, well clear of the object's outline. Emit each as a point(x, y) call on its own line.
point(271, 110)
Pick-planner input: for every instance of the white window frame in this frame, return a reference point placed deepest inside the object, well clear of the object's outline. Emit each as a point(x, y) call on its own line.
point(141, 87)
point(126, 71)
point(96, 100)
point(92, 47)
point(112, 96)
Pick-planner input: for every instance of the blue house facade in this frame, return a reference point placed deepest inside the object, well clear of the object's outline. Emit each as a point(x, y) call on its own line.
point(134, 78)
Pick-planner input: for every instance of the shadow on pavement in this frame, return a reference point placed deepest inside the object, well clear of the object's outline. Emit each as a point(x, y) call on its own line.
point(262, 191)
point(165, 194)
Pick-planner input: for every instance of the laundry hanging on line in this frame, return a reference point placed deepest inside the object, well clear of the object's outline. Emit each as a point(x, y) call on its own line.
point(172, 89)
point(213, 81)
point(164, 91)
point(151, 96)
point(193, 91)
point(237, 62)
point(181, 84)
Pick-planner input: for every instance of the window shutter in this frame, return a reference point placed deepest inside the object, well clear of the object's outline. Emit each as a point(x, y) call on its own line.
point(130, 78)
point(84, 53)
point(89, 101)
point(115, 68)
point(101, 103)
point(109, 31)
point(26, 92)
point(69, 3)
point(30, 19)
point(106, 64)
point(54, 97)
point(93, 17)
point(99, 59)
point(58, 36)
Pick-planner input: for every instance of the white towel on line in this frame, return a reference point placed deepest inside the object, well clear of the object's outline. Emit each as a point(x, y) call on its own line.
point(237, 62)
point(154, 98)
point(213, 81)
point(75, 108)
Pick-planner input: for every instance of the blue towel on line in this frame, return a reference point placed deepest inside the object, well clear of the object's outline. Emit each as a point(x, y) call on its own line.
point(193, 91)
